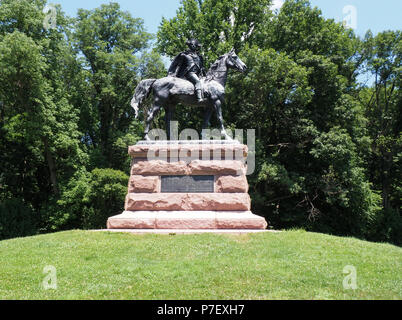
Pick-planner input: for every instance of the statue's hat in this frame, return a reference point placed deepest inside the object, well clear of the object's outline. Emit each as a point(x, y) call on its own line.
point(194, 42)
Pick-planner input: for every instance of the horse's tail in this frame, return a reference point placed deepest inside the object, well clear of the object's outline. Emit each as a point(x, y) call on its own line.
point(142, 92)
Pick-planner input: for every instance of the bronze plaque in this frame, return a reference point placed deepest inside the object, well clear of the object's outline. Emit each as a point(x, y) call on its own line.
point(188, 184)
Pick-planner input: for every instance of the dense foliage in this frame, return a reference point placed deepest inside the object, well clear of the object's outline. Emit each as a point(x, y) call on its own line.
point(65, 115)
point(329, 146)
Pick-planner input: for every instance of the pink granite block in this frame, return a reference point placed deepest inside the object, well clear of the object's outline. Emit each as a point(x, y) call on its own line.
point(144, 184)
point(159, 167)
point(162, 150)
point(186, 220)
point(242, 220)
point(190, 220)
point(133, 220)
point(188, 202)
point(231, 184)
point(223, 167)
point(196, 167)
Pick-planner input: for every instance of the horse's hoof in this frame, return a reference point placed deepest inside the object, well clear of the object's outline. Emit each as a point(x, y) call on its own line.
point(226, 136)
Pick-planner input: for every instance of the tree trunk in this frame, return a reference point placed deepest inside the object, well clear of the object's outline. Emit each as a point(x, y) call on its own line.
point(386, 182)
point(51, 166)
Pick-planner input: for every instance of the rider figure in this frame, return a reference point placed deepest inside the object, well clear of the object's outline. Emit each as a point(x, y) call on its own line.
point(189, 65)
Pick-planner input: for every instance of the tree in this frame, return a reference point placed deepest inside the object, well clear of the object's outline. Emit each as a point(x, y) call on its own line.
point(89, 199)
point(219, 25)
point(299, 93)
point(37, 118)
point(62, 114)
point(383, 105)
point(40, 141)
point(111, 41)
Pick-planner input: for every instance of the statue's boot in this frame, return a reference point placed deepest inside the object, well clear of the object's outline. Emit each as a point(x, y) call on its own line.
point(200, 97)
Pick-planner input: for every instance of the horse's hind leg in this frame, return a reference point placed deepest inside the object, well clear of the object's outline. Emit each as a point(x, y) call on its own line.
point(151, 115)
point(168, 120)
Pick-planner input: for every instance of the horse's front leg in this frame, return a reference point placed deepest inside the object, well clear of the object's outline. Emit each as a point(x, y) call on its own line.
point(151, 115)
point(205, 125)
point(218, 109)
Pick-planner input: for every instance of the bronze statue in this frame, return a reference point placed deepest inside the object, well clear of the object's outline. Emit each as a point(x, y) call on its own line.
point(172, 90)
point(189, 65)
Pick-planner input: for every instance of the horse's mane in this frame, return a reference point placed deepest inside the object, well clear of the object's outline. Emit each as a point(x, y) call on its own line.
point(212, 70)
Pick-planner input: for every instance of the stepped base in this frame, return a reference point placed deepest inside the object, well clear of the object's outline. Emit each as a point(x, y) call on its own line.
point(187, 232)
point(189, 220)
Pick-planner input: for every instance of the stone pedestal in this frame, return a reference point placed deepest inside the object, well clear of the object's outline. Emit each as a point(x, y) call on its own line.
point(188, 185)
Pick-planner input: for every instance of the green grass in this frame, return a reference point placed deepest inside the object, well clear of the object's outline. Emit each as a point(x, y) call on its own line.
point(288, 265)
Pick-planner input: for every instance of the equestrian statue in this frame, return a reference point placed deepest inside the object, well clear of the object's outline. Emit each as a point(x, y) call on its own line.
point(188, 83)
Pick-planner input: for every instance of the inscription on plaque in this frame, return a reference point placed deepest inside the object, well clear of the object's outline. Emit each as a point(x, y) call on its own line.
point(187, 184)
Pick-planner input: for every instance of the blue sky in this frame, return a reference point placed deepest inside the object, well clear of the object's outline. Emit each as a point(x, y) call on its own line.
point(375, 15)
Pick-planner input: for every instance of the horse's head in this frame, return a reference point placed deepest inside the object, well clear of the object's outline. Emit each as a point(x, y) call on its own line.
point(219, 69)
point(234, 62)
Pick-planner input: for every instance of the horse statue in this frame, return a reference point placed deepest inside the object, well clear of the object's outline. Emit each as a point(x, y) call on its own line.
point(169, 91)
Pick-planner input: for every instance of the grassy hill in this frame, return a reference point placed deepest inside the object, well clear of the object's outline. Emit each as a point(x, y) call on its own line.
point(288, 265)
